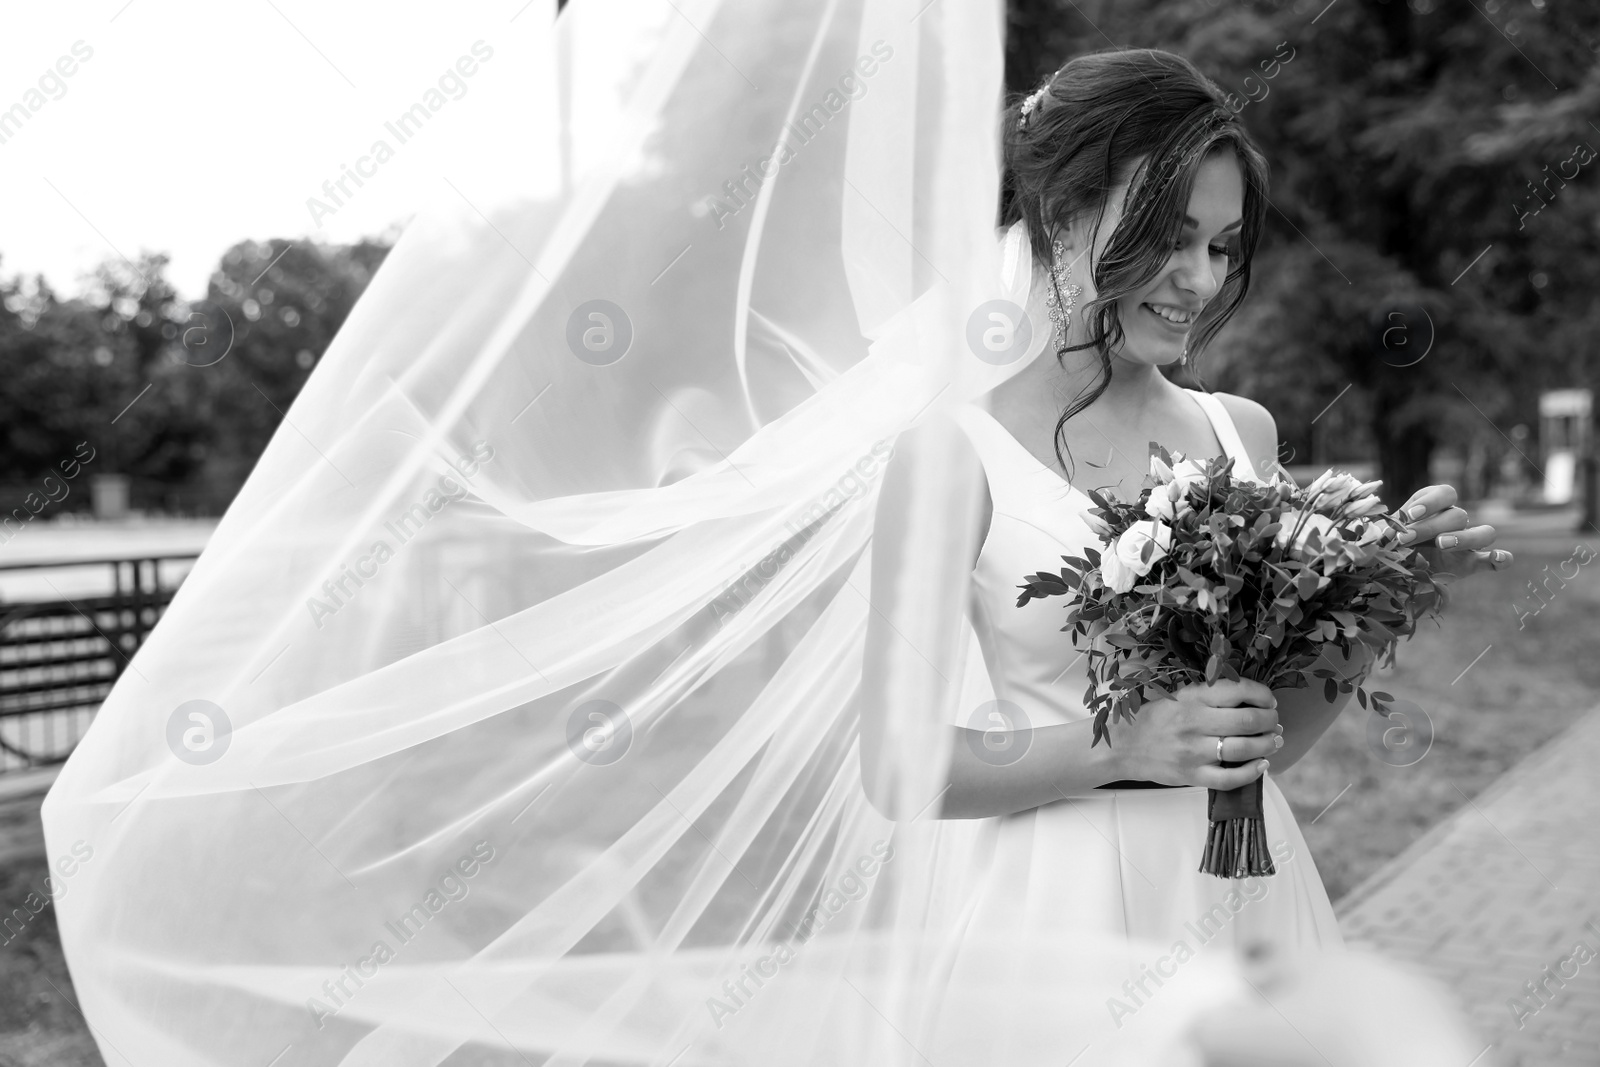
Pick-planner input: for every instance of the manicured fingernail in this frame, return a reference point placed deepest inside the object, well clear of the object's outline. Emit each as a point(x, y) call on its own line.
point(1277, 741)
point(1407, 537)
point(1416, 511)
point(1264, 766)
point(1447, 540)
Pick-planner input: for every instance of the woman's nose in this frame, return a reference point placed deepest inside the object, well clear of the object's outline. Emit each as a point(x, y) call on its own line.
point(1195, 273)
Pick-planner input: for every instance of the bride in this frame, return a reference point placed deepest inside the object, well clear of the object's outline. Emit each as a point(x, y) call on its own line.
point(1143, 198)
point(557, 687)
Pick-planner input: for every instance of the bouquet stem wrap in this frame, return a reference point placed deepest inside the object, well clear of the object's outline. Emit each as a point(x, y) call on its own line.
point(1236, 845)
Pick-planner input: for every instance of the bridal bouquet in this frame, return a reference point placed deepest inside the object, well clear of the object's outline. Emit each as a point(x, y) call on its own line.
point(1210, 576)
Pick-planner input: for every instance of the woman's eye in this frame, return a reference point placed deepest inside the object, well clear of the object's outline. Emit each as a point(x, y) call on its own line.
point(1224, 250)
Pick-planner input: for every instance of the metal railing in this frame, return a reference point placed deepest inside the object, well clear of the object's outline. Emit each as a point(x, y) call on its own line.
point(59, 657)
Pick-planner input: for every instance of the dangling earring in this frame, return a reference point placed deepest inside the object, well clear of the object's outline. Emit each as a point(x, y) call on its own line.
point(1061, 308)
point(1183, 360)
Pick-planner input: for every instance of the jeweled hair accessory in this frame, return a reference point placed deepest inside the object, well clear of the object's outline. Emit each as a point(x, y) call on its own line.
point(1030, 103)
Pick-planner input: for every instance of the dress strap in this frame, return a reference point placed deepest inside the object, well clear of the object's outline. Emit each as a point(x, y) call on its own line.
point(1018, 482)
point(1227, 433)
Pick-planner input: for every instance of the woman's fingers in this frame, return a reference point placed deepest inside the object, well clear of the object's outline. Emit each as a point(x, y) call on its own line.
point(1217, 777)
point(1471, 561)
point(1472, 537)
point(1229, 694)
point(1429, 500)
point(1235, 721)
point(1248, 747)
point(1450, 519)
point(1442, 529)
point(1468, 552)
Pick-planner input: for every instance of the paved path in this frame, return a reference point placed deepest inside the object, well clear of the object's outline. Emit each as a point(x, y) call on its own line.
point(1505, 888)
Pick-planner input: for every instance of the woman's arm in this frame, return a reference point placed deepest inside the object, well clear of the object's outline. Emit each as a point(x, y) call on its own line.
point(1171, 741)
point(993, 774)
point(1307, 713)
point(1060, 762)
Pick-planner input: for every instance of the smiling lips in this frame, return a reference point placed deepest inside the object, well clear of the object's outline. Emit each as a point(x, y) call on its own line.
point(1175, 315)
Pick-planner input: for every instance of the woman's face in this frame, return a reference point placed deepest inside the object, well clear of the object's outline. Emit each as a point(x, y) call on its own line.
point(1157, 318)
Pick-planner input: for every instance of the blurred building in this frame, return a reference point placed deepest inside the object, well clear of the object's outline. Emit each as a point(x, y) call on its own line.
point(1566, 433)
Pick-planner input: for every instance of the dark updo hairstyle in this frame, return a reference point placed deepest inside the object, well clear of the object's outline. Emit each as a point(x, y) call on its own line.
point(1104, 118)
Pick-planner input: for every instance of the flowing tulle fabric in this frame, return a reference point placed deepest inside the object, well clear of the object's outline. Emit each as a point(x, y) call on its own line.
point(508, 716)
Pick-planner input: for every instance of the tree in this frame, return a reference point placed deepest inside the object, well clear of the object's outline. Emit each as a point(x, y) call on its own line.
point(274, 307)
point(76, 371)
point(1386, 199)
point(167, 391)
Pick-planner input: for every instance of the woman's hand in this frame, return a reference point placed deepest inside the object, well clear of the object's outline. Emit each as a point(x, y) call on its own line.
point(1173, 740)
point(1307, 713)
point(1458, 547)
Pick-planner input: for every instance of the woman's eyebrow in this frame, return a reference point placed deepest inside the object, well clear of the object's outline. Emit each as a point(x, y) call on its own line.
point(1189, 224)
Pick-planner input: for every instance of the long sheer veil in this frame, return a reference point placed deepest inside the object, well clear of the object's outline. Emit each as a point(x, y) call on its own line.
point(509, 714)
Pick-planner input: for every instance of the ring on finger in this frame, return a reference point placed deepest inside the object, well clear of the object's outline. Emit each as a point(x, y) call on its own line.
point(1219, 749)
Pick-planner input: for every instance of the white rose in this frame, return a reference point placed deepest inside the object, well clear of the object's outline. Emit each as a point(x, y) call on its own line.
point(1115, 573)
point(1188, 473)
point(1169, 502)
point(1183, 469)
point(1313, 521)
point(1127, 549)
point(1367, 505)
point(1341, 487)
point(1318, 483)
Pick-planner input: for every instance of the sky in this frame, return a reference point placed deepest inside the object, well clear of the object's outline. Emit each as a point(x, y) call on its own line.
point(184, 127)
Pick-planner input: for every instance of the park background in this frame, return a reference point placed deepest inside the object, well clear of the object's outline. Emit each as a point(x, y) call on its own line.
point(1422, 309)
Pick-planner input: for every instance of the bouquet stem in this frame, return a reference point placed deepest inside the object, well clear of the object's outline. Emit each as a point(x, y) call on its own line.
point(1236, 845)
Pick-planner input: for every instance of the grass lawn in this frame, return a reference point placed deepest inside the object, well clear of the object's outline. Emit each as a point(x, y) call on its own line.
point(39, 1024)
point(1532, 683)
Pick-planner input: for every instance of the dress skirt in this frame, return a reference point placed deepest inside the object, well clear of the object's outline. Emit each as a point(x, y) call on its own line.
point(1119, 866)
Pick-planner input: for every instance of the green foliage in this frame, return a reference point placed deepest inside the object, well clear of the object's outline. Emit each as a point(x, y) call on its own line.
point(131, 368)
point(280, 323)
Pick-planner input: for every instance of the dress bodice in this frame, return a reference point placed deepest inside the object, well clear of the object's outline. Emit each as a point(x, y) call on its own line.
point(1038, 518)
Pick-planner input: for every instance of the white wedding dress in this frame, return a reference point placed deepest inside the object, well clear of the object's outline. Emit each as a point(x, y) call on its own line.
point(1123, 861)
